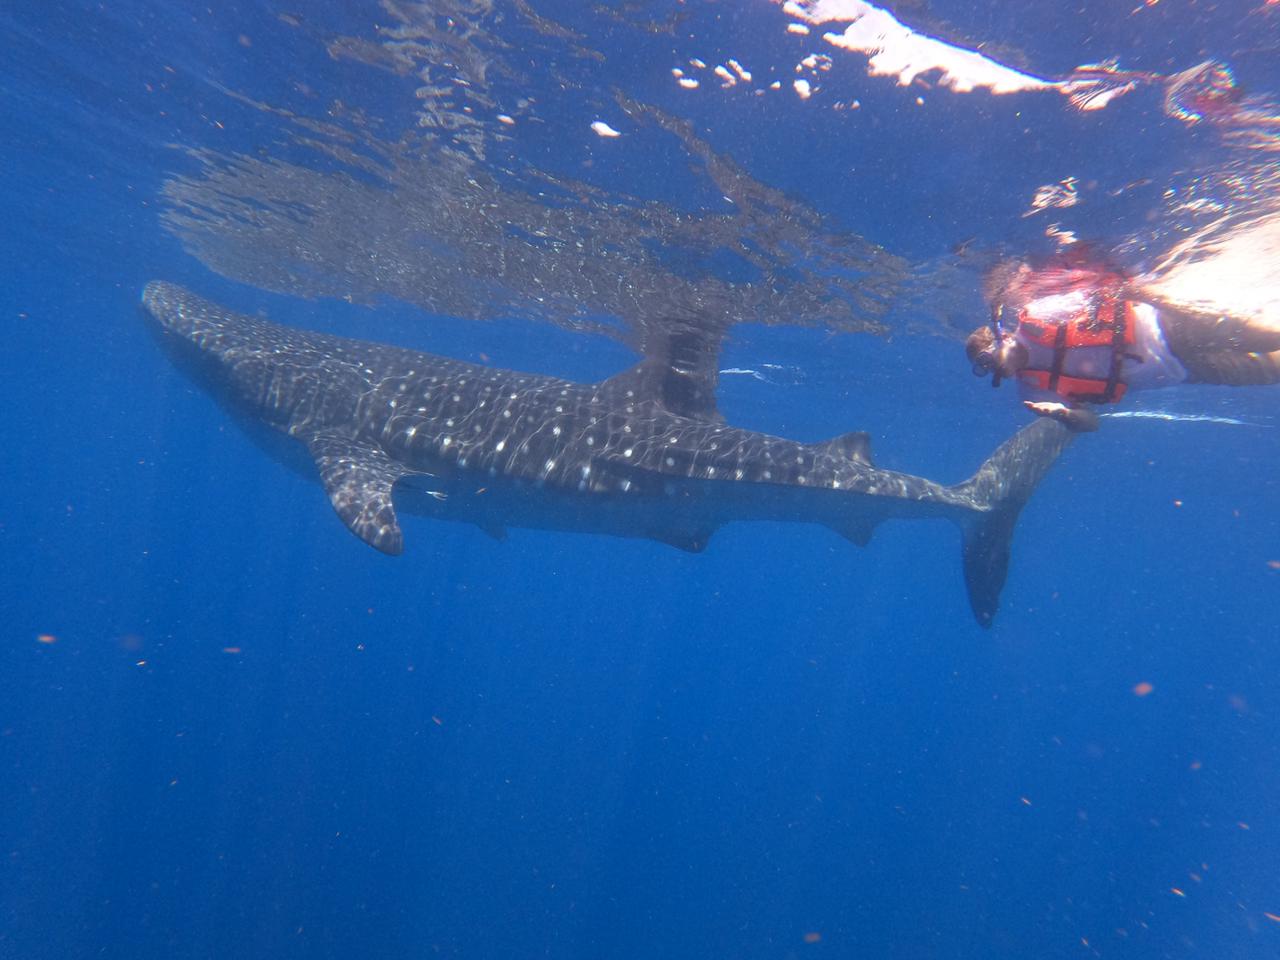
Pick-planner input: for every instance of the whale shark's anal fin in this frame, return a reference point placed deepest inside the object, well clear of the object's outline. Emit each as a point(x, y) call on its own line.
point(850, 446)
point(856, 531)
point(691, 540)
point(358, 478)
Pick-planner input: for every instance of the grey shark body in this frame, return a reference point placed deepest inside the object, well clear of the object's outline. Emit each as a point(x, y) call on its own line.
point(642, 454)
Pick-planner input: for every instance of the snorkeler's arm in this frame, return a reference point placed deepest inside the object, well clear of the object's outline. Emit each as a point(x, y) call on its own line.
point(1079, 419)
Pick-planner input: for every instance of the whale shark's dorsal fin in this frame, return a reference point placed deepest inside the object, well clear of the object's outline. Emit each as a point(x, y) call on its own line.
point(358, 478)
point(680, 370)
point(678, 392)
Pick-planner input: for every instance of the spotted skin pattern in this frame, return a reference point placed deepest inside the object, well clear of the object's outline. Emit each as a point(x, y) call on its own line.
point(611, 457)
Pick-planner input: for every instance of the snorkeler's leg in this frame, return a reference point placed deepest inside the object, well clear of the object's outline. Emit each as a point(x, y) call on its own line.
point(1233, 368)
point(1191, 333)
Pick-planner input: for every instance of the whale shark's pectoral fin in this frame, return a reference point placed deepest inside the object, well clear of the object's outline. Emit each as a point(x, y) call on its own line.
point(358, 477)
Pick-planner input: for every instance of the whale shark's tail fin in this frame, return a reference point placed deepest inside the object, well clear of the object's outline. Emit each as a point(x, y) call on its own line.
point(997, 493)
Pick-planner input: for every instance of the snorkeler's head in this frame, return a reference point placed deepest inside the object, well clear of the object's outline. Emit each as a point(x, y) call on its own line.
point(991, 354)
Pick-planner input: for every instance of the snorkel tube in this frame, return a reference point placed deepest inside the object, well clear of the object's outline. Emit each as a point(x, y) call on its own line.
point(997, 328)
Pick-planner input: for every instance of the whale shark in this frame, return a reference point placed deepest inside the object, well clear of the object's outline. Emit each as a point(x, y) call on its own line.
point(643, 454)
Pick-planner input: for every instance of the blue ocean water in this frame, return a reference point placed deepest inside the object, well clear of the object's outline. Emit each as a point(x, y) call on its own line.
point(228, 728)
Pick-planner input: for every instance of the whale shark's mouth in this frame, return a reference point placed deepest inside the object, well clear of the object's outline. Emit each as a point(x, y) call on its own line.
point(160, 303)
point(174, 311)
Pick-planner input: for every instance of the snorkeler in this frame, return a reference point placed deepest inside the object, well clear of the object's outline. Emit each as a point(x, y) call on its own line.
point(1075, 335)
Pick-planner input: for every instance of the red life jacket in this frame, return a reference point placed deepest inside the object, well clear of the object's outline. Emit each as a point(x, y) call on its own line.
point(1107, 322)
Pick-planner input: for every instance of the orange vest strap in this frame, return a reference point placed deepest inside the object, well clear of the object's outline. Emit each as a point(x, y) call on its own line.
point(1110, 323)
point(1078, 389)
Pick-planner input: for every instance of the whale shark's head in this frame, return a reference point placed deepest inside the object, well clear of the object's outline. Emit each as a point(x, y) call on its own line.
point(212, 346)
point(251, 364)
point(179, 314)
point(276, 373)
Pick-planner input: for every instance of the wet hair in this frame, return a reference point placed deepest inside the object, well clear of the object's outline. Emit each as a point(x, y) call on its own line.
point(1000, 283)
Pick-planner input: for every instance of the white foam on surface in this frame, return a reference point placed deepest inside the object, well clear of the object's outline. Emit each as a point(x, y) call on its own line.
point(895, 50)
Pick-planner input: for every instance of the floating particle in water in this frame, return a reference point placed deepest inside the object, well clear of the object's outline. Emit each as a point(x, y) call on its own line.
point(1143, 689)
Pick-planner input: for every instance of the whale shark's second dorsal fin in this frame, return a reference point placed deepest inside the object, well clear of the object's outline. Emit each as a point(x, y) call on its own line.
point(849, 446)
point(680, 370)
point(358, 478)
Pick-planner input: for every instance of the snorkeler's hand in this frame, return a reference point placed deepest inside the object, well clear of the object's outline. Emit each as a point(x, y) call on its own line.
point(1074, 418)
